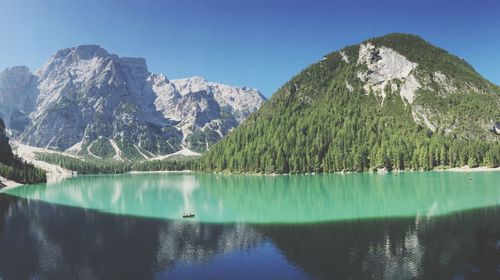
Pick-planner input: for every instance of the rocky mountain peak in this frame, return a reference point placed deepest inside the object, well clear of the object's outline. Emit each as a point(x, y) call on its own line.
point(19, 72)
point(18, 94)
point(239, 100)
point(192, 84)
point(99, 104)
point(206, 111)
point(15, 79)
point(84, 52)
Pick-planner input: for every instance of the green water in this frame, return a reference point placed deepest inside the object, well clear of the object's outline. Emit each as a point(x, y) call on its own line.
point(274, 199)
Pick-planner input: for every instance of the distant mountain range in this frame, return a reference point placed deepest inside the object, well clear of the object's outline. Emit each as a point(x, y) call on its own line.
point(92, 103)
point(394, 101)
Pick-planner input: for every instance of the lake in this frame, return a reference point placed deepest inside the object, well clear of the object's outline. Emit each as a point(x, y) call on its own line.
point(410, 225)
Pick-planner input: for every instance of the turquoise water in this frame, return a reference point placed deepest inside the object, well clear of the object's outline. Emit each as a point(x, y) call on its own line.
point(273, 199)
point(332, 226)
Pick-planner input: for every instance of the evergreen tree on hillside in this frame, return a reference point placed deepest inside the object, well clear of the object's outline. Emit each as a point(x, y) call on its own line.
point(14, 168)
point(323, 120)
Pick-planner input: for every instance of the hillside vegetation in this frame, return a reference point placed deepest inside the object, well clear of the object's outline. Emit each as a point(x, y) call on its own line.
point(14, 168)
point(93, 166)
point(324, 119)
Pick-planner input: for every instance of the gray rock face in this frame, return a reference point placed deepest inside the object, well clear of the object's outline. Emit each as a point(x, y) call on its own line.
point(91, 102)
point(18, 91)
point(205, 111)
point(428, 91)
point(387, 67)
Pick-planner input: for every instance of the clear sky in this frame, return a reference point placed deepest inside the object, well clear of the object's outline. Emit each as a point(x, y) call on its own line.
point(256, 43)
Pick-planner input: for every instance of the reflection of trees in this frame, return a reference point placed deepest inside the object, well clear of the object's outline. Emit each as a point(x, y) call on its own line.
point(421, 248)
point(351, 250)
point(4, 206)
point(485, 259)
point(180, 242)
point(57, 242)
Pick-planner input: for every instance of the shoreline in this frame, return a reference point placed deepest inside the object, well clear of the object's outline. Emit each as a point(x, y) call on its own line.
point(8, 184)
point(472, 169)
point(377, 172)
point(59, 177)
point(159, 171)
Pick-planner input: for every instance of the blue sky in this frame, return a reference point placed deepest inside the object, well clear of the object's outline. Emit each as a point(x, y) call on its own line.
point(256, 43)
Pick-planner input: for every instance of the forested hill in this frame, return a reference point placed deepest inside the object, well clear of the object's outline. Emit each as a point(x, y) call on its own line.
point(14, 168)
point(395, 101)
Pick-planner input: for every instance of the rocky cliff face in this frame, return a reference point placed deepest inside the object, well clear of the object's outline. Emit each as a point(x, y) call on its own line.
point(386, 67)
point(18, 92)
point(91, 102)
point(429, 81)
point(205, 111)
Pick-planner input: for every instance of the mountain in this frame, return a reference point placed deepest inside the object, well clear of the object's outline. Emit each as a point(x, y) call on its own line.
point(18, 94)
point(394, 101)
point(204, 111)
point(93, 103)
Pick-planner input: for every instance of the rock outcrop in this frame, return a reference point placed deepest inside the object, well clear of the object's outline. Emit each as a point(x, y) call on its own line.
point(387, 70)
point(18, 92)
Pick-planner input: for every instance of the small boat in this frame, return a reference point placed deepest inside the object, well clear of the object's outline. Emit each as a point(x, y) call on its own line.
point(188, 215)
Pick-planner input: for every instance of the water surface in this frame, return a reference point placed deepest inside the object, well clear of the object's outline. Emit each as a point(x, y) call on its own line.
point(435, 225)
point(274, 199)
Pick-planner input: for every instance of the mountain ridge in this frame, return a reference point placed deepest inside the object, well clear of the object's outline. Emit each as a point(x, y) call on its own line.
point(368, 106)
point(87, 100)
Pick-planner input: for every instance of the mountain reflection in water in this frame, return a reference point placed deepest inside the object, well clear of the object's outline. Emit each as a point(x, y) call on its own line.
point(46, 241)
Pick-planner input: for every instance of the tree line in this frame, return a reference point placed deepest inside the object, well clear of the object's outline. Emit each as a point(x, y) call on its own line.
point(89, 166)
point(22, 172)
